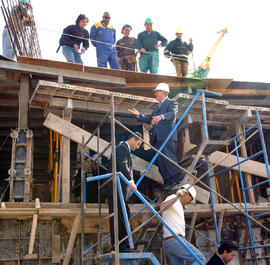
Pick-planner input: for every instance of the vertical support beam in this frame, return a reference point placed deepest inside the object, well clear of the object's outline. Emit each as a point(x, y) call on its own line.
point(239, 129)
point(66, 157)
point(56, 249)
point(72, 238)
point(192, 224)
point(23, 101)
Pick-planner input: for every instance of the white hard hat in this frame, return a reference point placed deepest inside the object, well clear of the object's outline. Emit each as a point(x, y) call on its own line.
point(190, 189)
point(162, 87)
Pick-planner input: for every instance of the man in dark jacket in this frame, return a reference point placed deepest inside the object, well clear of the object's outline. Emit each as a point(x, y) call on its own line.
point(148, 44)
point(226, 253)
point(178, 51)
point(126, 50)
point(163, 120)
point(123, 165)
point(72, 38)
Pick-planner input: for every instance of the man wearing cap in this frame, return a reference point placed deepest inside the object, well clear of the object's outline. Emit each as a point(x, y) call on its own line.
point(173, 215)
point(126, 50)
point(148, 44)
point(103, 37)
point(163, 119)
point(178, 51)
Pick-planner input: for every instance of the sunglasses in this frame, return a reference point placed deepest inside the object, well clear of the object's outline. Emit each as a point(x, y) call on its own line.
point(107, 17)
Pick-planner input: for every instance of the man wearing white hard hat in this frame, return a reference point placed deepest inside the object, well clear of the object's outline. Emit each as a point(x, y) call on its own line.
point(173, 215)
point(163, 120)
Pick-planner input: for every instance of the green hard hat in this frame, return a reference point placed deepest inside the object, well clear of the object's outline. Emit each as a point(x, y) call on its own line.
point(148, 20)
point(26, 2)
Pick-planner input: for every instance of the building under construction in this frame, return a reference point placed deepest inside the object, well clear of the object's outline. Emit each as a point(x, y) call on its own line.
point(56, 115)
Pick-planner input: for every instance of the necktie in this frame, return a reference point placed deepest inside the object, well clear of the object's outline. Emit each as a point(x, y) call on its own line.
point(146, 139)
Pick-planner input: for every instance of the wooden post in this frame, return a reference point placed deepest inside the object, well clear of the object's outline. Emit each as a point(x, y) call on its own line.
point(239, 129)
point(23, 101)
point(66, 157)
point(72, 238)
point(192, 224)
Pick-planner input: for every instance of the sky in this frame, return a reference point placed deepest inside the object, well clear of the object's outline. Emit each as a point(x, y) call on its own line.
point(242, 55)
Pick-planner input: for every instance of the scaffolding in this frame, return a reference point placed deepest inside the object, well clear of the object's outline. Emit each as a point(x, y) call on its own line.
point(116, 177)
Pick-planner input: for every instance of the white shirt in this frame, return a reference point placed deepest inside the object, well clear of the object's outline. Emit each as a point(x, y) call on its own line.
point(175, 218)
point(127, 145)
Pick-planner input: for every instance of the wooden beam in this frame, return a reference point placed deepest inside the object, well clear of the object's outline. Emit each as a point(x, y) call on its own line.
point(75, 133)
point(55, 72)
point(192, 224)
point(239, 129)
point(252, 167)
point(66, 160)
point(72, 238)
point(56, 248)
point(23, 101)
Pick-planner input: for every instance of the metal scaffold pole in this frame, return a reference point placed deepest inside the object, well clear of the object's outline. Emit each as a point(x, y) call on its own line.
point(114, 176)
point(82, 199)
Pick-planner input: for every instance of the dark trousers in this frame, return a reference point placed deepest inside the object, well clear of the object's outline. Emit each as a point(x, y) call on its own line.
point(128, 66)
point(168, 171)
point(121, 223)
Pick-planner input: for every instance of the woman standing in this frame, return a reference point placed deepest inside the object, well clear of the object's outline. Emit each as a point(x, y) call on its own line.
point(72, 38)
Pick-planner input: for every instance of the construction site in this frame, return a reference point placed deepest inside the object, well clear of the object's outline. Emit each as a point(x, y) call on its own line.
point(60, 125)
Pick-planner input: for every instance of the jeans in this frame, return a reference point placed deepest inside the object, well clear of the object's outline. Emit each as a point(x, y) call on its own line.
point(177, 254)
point(7, 47)
point(71, 55)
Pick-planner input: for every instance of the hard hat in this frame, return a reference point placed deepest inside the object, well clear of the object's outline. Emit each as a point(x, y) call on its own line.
point(148, 21)
point(179, 30)
point(125, 26)
point(191, 190)
point(162, 87)
point(25, 2)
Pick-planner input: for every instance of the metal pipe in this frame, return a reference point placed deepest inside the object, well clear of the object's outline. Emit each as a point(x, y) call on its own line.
point(213, 204)
point(124, 211)
point(256, 185)
point(114, 178)
point(266, 161)
point(244, 194)
point(254, 247)
point(105, 176)
point(260, 214)
point(82, 199)
point(99, 199)
point(243, 132)
point(204, 117)
point(91, 158)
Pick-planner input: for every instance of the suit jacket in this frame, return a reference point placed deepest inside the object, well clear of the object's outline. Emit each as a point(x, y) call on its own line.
point(144, 154)
point(169, 109)
point(215, 260)
point(123, 165)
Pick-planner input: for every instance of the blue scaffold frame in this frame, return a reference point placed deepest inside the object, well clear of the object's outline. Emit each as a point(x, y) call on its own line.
point(158, 152)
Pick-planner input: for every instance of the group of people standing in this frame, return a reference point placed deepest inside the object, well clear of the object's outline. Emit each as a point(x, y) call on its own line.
point(122, 54)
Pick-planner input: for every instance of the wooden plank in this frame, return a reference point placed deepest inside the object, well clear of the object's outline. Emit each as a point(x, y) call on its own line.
point(75, 133)
point(72, 238)
point(56, 248)
point(55, 72)
point(192, 224)
point(250, 166)
point(239, 129)
point(23, 101)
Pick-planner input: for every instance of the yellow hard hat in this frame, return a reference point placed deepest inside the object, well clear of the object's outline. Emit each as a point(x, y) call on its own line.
point(179, 30)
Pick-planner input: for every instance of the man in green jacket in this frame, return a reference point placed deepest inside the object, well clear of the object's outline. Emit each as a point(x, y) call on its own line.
point(148, 43)
point(178, 51)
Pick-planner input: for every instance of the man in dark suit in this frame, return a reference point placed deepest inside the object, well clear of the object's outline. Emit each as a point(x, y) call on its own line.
point(226, 253)
point(144, 152)
point(123, 165)
point(163, 120)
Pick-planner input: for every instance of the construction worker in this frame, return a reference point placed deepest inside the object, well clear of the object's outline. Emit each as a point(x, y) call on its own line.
point(123, 165)
point(225, 254)
point(72, 38)
point(178, 51)
point(173, 215)
point(126, 53)
point(148, 44)
point(163, 119)
point(21, 17)
point(103, 37)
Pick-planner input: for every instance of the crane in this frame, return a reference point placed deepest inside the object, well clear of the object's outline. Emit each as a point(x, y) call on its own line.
point(204, 68)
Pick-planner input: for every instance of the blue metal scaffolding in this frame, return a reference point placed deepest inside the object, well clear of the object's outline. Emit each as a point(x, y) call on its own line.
point(115, 177)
